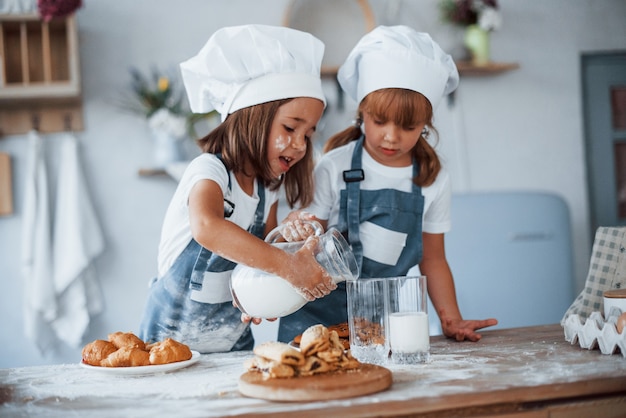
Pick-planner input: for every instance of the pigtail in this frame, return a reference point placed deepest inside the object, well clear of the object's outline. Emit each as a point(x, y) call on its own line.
point(428, 160)
point(344, 137)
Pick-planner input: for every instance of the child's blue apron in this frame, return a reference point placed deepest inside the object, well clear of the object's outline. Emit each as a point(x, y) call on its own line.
point(390, 209)
point(205, 327)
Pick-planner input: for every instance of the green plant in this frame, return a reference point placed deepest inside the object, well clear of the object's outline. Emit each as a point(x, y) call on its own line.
point(160, 97)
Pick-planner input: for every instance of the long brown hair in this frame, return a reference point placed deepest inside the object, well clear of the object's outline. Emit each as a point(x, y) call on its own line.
point(242, 141)
point(404, 108)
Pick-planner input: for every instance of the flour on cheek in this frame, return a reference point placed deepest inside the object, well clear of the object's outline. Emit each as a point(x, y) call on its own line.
point(279, 162)
point(281, 143)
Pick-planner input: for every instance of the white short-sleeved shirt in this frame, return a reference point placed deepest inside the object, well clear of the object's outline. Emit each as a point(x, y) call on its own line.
point(176, 230)
point(329, 183)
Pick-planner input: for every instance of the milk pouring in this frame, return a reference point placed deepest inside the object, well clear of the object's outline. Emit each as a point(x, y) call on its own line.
point(263, 295)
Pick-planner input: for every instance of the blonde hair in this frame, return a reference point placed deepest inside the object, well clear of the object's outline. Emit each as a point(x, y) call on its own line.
point(405, 108)
point(242, 142)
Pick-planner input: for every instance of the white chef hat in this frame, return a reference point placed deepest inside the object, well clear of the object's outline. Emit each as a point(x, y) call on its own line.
point(242, 66)
point(398, 57)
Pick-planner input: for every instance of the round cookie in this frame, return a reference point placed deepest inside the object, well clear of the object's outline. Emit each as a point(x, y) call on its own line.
point(343, 331)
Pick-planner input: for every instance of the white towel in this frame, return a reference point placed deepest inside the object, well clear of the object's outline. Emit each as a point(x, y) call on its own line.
point(39, 293)
point(78, 240)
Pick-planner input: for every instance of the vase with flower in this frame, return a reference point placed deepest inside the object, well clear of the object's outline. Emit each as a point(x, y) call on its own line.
point(162, 101)
point(479, 18)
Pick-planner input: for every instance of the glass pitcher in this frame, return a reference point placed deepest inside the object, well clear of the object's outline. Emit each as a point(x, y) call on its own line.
point(264, 295)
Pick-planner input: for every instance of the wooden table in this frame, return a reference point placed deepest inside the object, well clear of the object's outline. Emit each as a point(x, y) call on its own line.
point(523, 372)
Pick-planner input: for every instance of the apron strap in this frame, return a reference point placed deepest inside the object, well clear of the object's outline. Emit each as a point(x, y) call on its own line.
point(258, 226)
point(229, 206)
point(353, 179)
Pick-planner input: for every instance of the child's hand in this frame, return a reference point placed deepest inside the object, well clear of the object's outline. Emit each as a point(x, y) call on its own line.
point(465, 329)
point(309, 278)
point(298, 226)
point(255, 321)
point(248, 318)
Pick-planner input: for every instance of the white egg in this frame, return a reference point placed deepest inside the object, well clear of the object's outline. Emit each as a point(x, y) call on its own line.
point(620, 324)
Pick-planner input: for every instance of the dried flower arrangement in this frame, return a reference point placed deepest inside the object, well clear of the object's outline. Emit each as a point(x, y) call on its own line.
point(484, 13)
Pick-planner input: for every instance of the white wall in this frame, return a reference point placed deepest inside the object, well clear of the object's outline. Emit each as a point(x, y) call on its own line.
point(517, 131)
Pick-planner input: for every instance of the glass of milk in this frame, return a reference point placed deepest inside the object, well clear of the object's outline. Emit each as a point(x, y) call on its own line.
point(407, 329)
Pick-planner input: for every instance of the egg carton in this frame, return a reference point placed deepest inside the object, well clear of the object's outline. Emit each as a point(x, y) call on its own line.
point(596, 332)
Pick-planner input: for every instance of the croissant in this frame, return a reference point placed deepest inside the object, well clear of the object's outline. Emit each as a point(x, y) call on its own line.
point(169, 351)
point(125, 349)
point(126, 339)
point(96, 351)
point(127, 357)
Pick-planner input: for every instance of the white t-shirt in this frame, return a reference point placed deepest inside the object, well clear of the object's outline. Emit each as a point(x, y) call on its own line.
point(176, 231)
point(329, 183)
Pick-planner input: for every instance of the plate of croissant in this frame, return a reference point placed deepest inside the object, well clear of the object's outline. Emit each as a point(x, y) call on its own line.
point(124, 353)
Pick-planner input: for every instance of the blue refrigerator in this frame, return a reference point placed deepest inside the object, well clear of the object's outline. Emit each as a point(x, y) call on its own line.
point(511, 258)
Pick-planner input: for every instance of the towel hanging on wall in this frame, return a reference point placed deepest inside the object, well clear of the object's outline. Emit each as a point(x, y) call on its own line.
point(39, 293)
point(78, 240)
point(61, 292)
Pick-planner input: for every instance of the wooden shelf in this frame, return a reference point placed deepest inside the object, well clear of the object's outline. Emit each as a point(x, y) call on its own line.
point(40, 59)
point(466, 68)
point(328, 71)
point(150, 172)
point(40, 85)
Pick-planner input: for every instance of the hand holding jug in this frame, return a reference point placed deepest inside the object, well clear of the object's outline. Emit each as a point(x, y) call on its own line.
point(259, 294)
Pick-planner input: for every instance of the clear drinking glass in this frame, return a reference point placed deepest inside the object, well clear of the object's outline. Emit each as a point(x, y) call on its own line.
point(367, 320)
point(407, 331)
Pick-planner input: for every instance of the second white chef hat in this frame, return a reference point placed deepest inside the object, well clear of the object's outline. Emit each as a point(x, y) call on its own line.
point(398, 57)
point(242, 66)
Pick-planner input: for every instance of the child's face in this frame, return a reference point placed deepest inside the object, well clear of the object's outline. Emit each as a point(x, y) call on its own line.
point(291, 132)
point(388, 143)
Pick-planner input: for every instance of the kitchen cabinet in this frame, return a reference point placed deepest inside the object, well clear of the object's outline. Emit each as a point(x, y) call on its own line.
point(40, 86)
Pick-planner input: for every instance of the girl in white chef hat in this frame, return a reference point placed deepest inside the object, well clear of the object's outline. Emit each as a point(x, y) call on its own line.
point(381, 183)
point(265, 82)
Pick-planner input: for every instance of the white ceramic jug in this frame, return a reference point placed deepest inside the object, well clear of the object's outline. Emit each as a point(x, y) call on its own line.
point(263, 295)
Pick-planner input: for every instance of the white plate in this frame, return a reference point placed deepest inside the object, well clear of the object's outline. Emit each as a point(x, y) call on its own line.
point(139, 370)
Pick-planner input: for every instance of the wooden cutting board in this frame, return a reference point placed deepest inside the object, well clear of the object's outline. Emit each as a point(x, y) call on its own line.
point(367, 379)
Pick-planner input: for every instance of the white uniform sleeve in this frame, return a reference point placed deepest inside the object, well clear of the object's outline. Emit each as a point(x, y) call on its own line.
point(437, 217)
point(176, 232)
point(204, 167)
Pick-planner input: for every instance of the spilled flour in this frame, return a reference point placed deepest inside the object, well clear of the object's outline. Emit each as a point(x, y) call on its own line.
point(209, 388)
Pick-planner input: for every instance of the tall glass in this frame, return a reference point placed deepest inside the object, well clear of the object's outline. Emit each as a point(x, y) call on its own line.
point(367, 320)
point(407, 305)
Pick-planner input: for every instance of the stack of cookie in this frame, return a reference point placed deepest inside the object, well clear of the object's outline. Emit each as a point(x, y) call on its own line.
point(342, 330)
point(320, 351)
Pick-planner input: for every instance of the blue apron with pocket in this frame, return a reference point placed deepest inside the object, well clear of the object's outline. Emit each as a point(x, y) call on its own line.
point(388, 221)
point(192, 303)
